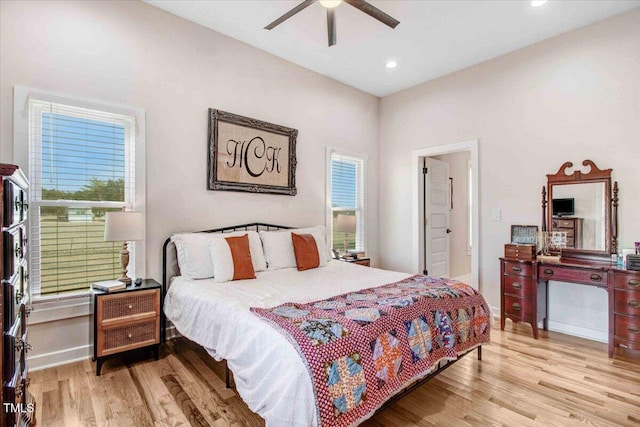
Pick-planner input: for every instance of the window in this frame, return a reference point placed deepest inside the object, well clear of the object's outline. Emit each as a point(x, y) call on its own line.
point(346, 194)
point(81, 165)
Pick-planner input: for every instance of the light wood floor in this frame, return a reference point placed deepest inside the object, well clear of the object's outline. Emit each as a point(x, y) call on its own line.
point(557, 380)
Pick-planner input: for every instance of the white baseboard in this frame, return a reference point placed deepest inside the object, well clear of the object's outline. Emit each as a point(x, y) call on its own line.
point(57, 358)
point(579, 331)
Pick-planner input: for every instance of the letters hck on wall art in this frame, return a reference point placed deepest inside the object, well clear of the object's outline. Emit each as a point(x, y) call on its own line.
point(250, 155)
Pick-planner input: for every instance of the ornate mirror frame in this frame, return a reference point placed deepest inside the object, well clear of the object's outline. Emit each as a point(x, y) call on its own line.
point(594, 175)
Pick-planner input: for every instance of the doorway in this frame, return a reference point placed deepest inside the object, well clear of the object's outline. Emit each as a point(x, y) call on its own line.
point(452, 233)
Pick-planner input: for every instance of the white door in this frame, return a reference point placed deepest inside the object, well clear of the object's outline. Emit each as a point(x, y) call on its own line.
point(436, 217)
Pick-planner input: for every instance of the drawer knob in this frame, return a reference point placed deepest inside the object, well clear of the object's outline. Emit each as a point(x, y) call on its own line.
point(516, 306)
point(517, 285)
point(633, 329)
point(634, 303)
point(129, 336)
point(516, 268)
point(548, 272)
point(633, 283)
point(596, 277)
point(130, 306)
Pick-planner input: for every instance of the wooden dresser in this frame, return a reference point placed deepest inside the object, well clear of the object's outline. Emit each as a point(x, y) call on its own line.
point(524, 294)
point(572, 226)
point(18, 404)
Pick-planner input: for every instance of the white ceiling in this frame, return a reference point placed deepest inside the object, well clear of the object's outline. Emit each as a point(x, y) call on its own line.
point(434, 38)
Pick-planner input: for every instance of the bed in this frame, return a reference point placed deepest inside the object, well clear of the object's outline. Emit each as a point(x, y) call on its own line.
point(235, 321)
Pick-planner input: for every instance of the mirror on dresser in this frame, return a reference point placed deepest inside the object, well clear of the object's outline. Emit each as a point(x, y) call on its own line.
point(580, 203)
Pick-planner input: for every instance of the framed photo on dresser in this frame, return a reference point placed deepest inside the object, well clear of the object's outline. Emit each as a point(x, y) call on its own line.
point(250, 155)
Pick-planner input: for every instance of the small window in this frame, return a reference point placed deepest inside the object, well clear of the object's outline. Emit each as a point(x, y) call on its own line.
point(81, 165)
point(347, 190)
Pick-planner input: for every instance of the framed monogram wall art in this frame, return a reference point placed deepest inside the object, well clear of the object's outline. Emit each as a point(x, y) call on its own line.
point(250, 155)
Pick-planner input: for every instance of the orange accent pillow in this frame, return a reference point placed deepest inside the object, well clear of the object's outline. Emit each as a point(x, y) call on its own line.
point(306, 251)
point(241, 255)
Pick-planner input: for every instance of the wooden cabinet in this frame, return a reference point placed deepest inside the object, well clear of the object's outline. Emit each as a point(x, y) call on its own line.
point(624, 308)
point(524, 297)
point(519, 293)
point(126, 320)
point(572, 226)
point(18, 404)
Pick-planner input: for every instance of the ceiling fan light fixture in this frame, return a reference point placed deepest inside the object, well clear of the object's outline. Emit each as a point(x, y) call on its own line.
point(537, 3)
point(330, 4)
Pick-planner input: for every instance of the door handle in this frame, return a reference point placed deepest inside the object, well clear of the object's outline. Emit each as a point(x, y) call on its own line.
point(448, 231)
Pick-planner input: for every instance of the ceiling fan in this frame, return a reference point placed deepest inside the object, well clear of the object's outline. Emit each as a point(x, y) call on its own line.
point(330, 5)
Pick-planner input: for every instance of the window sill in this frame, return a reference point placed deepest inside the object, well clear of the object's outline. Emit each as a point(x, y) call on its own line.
point(52, 308)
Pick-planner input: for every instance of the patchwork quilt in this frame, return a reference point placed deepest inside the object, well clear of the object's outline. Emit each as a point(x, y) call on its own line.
point(361, 348)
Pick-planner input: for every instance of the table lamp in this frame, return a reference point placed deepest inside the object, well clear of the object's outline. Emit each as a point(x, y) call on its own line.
point(346, 224)
point(124, 226)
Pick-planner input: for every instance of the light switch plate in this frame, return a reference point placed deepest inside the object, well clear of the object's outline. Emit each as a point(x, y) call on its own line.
point(496, 214)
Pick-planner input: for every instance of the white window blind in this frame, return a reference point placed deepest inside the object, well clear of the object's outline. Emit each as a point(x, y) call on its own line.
point(347, 197)
point(81, 165)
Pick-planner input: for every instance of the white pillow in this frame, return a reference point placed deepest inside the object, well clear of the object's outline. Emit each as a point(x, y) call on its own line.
point(194, 256)
point(278, 246)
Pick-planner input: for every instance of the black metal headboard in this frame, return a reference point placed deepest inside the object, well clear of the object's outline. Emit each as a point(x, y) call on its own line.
point(169, 253)
point(254, 226)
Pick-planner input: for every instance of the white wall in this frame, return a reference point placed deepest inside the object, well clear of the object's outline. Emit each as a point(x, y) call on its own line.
point(459, 255)
point(134, 54)
point(570, 98)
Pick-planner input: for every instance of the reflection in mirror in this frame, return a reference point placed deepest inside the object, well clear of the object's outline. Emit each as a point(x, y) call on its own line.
point(580, 210)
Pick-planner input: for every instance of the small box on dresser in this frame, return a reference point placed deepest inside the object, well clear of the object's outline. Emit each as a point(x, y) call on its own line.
point(18, 403)
point(523, 252)
point(125, 320)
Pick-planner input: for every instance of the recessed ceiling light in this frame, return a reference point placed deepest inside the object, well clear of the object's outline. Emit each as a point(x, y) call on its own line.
point(391, 64)
point(538, 3)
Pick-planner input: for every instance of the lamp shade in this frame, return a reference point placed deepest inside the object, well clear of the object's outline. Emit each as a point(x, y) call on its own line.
point(124, 226)
point(346, 223)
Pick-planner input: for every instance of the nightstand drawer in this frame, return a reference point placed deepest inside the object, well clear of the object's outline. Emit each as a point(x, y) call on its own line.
point(116, 340)
point(111, 307)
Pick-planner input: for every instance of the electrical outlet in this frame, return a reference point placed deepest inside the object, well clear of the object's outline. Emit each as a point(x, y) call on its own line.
point(496, 214)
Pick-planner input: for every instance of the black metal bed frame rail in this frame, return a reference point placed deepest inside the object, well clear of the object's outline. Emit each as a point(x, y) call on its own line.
point(419, 382)
point(252, 226)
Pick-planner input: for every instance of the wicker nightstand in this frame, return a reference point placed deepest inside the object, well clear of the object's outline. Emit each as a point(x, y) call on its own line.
point(360, 261)
point(126, 320)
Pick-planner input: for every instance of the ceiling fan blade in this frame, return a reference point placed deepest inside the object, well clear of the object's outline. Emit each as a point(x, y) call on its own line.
point(331, 26)
point(373, 12)
point(298, 8)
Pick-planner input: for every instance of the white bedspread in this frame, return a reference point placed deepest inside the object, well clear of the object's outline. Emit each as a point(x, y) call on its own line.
point(269, 374)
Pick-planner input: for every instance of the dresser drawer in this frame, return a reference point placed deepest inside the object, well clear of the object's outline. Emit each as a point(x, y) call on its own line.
point(14, 242)
point(518, 268)
point(562, 223)
point(113, 307)
point(587, 277)
point(627, 328)
point(627, 302)
point(518, 308)
point(626, 281)
point(14, 204)
point(127, 337)
point(519, 286)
